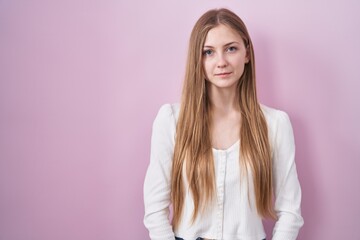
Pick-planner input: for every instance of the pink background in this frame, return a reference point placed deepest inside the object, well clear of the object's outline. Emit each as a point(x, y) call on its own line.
point(81, 83)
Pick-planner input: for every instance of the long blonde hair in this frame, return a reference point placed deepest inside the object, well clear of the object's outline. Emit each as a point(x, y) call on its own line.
point(193, 140)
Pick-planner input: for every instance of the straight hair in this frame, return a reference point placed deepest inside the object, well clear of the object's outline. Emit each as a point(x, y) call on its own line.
point(193, 151)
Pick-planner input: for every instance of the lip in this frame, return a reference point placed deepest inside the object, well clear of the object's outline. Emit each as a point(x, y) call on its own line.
point(224, 74)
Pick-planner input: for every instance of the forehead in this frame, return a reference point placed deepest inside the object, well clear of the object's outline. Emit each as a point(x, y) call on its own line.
point(221, 35)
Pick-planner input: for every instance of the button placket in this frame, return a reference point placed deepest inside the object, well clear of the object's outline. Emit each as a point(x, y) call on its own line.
point(220, 192)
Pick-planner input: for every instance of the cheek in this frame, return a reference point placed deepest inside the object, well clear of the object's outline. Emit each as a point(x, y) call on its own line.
point(239, 60)
point(238, 65)
point(207, 67)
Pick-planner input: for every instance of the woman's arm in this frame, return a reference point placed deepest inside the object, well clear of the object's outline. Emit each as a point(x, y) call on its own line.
point(158, 177)
point(287, 187)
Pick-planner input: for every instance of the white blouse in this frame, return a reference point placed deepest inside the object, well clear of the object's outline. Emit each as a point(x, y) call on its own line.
point(233, 216)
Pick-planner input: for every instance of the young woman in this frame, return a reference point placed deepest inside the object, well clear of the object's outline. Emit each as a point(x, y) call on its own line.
point(219, 157)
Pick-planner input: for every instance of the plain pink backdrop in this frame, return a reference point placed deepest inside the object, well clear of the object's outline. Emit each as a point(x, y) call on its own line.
point(81, 83)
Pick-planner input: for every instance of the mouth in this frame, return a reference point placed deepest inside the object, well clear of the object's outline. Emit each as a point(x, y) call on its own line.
point(225, 74)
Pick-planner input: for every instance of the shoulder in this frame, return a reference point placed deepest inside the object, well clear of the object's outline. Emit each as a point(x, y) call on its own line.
point(278, 122)
point(168, 112)
point(163, 133)
point(165, 120)
point(274, 116)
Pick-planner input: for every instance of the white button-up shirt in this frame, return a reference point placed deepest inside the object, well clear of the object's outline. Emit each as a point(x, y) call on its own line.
point(233, 214)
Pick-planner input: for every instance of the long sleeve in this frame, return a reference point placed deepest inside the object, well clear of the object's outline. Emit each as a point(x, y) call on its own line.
point(287, 187)
point(158, 177)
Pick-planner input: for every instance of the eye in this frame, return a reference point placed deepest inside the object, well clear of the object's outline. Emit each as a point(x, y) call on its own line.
point(231, 49)
point(208, 52)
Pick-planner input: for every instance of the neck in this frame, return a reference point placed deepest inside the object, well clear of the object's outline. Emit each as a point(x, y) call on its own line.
point(223, 99)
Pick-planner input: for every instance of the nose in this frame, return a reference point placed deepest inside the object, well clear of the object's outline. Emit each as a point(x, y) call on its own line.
point(221, 61)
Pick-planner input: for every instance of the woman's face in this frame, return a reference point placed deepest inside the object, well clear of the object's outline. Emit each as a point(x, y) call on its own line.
point(224, 55)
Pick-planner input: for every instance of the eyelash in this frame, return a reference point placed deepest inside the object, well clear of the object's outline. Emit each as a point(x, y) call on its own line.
point(234, 49)
point(209, 52)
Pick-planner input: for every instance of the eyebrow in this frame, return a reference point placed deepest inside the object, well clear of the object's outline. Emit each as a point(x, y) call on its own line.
point(224, 45)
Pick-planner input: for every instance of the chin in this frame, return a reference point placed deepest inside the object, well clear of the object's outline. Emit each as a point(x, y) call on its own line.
point(224, 84)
